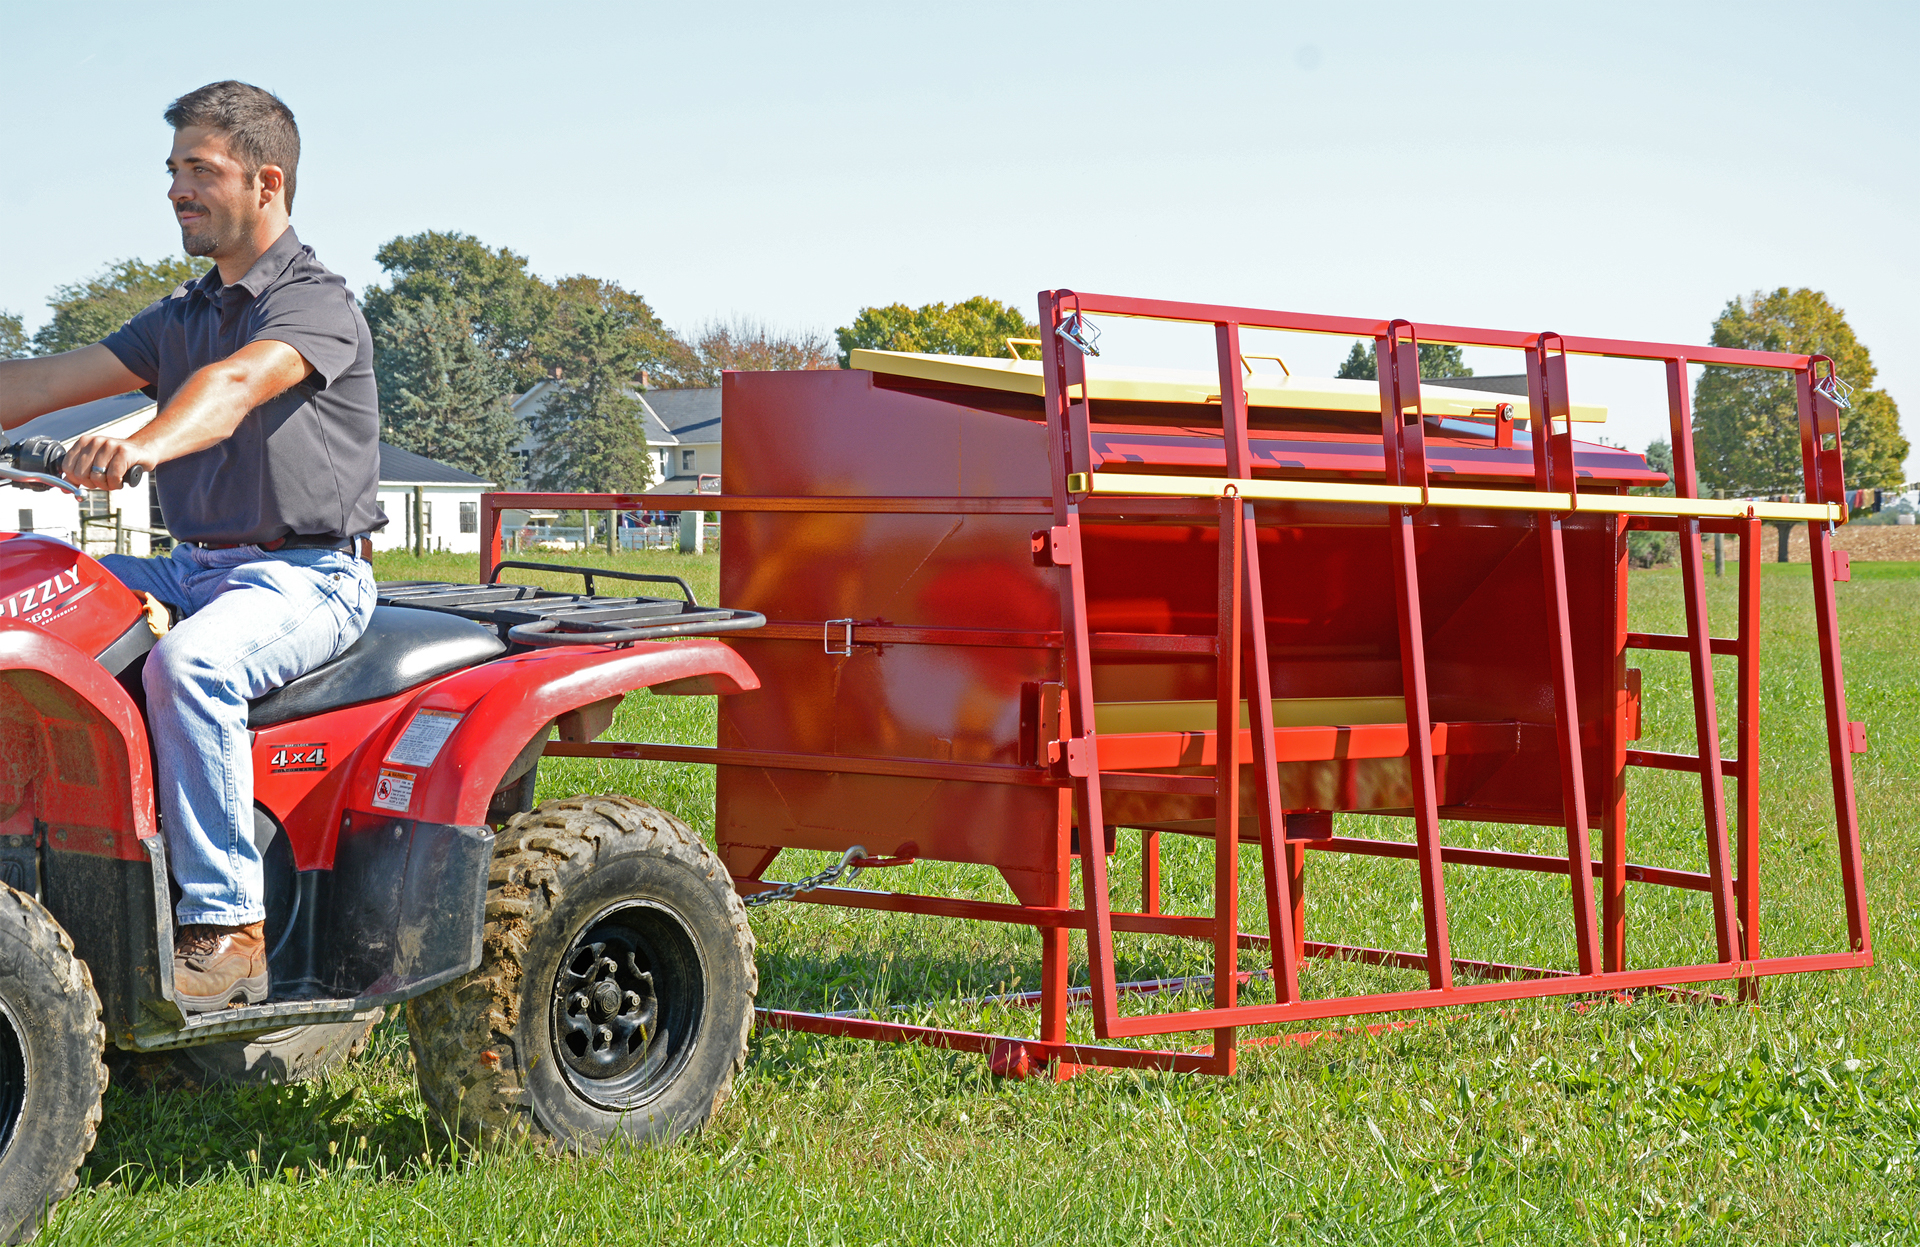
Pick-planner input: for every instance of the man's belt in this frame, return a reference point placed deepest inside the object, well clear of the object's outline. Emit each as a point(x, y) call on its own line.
point(296, 541)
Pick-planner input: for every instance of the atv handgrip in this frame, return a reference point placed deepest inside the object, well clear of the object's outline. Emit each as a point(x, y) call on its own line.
point(50, 455)
point(547, 634)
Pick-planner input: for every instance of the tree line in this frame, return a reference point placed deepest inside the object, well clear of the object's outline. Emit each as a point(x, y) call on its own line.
point(460, 328)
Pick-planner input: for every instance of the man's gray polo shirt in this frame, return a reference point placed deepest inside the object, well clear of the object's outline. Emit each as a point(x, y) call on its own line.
point(305, 463)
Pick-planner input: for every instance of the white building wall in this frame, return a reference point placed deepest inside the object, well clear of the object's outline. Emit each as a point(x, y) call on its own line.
point(453, 520)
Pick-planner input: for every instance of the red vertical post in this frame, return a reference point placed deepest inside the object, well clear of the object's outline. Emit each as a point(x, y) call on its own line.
point(1272, 818)
point(1613, 819)
point(1226, 777)
point(1820, 456)
point(1297, 890)
point(1069, 450)
point(1149, 872)
point(1404, 443)
point(1055, 950)
point(489, 537)
point(1706, 718)
point(1547, 388)
point(1746, 744)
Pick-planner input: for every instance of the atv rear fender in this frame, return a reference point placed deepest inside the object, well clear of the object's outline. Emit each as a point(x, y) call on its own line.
point(500, 706)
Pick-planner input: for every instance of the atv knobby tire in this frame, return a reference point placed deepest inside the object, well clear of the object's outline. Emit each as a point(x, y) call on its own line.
point(292, 1054)
point(615, 989)
point(51, 1075)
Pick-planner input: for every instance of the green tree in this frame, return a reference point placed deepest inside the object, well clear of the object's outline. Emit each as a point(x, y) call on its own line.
point(13, 337)
point(442, 394)
point(591, 428)
point(1746, 421)
point(1650, 549)
point(978, 326)
point(506, 306)
point(87, 311)
point(1436, 360)
point(745, 345)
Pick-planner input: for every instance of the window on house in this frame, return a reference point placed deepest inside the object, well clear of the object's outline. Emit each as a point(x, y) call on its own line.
point(686, 461)
point(26, 519)
point(469, 517)
point(426, 519)
point(98, 506)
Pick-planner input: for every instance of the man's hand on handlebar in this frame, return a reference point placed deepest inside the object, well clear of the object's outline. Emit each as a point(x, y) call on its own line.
point(97, 461)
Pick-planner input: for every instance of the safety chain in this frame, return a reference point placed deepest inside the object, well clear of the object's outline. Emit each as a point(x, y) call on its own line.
point(847, 867)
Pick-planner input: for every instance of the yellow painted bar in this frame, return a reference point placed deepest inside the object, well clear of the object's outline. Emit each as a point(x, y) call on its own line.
point(1409, 496)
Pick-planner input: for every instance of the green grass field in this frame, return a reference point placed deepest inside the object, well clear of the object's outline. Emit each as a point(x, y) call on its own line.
point(1796, 1120)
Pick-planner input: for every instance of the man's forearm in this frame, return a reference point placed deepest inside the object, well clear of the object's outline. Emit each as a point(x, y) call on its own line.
point(203, 412)
point(34, 387)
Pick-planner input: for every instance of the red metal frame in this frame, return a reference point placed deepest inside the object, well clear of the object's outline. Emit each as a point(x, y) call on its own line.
point(1092, 765)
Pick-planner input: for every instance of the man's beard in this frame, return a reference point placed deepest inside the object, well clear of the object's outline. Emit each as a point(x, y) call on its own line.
point(213, 235)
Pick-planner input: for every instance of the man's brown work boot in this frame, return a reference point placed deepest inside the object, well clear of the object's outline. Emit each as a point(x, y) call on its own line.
point(214, 965)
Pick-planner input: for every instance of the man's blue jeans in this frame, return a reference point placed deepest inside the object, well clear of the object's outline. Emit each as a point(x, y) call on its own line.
point(254, 620)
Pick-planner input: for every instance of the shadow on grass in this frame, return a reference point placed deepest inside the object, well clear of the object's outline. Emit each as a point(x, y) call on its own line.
point(158, 1126)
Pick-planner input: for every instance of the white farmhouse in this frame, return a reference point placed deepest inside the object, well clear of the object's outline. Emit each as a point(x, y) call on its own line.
point(683, 434)
point(449, 503)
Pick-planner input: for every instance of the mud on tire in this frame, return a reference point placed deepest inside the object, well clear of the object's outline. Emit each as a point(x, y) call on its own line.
point(51, 1075)
point(615, 989)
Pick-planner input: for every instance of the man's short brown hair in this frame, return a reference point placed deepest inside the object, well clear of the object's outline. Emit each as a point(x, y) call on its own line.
point(259, 127)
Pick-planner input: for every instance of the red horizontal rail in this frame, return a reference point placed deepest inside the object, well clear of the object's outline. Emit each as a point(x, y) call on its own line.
point(1361, 327)
point(820, 504)
point(910, 768)
point(1655, 760)
point(1139, 750)
point(1680, 644)
point(1523, 989)
point(1505, 860)
point(983, 1044)
point(903, 634)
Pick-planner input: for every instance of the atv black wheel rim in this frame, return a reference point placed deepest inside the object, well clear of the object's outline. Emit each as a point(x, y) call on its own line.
point(628, 999)
point(13, 1077)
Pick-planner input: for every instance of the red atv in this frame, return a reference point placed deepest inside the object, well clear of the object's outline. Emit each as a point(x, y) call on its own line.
point(578, 971)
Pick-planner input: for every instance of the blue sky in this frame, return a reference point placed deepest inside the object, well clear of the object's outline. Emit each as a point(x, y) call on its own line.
point(1616, 169)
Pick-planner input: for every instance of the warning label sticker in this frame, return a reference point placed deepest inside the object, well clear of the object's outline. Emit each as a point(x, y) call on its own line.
point(393, 791)
point(420, 744)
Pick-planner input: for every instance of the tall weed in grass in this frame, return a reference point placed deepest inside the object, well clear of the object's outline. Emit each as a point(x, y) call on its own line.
point(1791, 1121)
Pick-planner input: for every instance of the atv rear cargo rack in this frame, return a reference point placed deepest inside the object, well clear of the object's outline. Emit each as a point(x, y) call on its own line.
point(536, 618)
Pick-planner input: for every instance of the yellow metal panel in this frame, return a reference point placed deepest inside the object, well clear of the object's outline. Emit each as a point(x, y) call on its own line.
point(1171, 385)
point(1201, 716)
point(1214, 487)
point(1500, 499)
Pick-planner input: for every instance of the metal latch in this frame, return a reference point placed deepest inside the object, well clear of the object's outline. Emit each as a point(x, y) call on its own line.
point(846, 640)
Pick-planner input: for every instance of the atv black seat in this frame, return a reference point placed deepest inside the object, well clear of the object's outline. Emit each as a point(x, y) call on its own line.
point(400, 648)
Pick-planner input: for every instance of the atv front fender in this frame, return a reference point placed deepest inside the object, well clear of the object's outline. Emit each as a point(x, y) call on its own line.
point(71, 735)
point(497, 708)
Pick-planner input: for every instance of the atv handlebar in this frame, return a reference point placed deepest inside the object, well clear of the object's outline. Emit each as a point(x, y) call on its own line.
point(36, 462)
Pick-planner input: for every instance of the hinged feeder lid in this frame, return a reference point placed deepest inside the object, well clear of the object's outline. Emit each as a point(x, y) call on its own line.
point(1175, 385)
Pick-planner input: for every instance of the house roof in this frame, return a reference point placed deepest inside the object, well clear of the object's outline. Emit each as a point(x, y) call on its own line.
point(71, 422)
point(403, 467)
point(534, 399)
point(692, 415)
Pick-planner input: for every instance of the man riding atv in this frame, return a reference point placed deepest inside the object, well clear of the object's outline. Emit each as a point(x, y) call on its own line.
point(264, 453)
